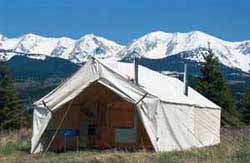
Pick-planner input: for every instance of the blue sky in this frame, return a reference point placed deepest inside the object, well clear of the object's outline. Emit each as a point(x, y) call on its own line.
point(124, 20)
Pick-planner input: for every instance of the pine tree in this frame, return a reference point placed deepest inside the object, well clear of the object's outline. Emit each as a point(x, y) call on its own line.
point(212, 85)
point(246, 106)
point(10, 108)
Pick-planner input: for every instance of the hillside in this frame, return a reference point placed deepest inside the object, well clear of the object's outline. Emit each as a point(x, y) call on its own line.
point(24, 67)
point(35, 78)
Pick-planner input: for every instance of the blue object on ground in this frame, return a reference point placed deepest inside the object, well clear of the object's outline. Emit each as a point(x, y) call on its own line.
point(70, 132)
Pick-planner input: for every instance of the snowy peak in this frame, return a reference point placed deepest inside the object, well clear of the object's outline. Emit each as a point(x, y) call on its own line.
point(94, 46)
point(159, 44)
point(31, 43)
point(66, 48)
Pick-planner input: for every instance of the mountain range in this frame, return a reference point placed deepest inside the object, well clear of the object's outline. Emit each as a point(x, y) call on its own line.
point(38, 64)
point(76, 51)
point(155, 45)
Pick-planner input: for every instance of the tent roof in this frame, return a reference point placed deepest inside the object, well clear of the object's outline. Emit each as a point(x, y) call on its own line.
point(166, 88)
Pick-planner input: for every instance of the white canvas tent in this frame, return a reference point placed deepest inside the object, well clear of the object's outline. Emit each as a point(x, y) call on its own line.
point(173, 121)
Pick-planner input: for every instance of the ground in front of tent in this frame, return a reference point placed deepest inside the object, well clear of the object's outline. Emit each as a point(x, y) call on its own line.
point(234, 148)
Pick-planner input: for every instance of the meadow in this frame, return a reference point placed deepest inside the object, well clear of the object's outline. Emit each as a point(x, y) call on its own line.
point(234, 147)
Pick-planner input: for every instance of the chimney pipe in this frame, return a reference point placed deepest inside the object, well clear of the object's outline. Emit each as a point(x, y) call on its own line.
point(185, 80)
point(136, 68)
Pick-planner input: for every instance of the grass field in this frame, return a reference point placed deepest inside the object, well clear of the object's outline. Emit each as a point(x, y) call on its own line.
point(234, 147)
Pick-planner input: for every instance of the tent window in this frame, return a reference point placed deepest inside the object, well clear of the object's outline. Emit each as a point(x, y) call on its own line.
point(125, 135)
point(125, 125)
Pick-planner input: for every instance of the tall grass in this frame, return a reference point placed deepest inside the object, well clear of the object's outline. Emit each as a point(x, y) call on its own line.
point(234, 147)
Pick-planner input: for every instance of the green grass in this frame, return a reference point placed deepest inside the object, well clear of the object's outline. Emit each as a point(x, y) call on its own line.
point(234, 147)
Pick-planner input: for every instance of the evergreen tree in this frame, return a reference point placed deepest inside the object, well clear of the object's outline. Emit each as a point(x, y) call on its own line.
point(246, 106)
point(10, 108)
point(212, 85)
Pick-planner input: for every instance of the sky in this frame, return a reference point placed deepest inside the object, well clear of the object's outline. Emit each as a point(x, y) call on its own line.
point(125, 20)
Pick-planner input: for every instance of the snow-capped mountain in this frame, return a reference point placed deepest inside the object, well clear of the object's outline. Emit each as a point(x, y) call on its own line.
point(160, 44)
point(76, 51)
point(94, 46)
point(154, 45)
